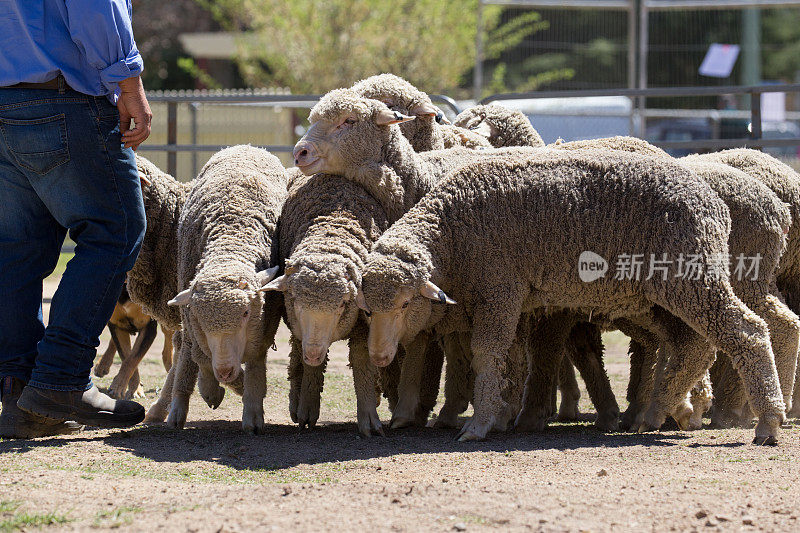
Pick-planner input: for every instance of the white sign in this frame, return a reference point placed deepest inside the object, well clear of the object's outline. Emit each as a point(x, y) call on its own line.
point(719, 60)
point(773, 107)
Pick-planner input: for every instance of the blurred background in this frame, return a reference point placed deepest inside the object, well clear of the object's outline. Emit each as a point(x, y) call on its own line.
point(232, 71)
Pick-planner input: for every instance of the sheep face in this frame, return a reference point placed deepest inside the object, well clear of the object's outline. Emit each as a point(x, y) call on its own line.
point(398, 307)
point(226, 317)
point(319, 303)
point(347, 133)
point(475, 119)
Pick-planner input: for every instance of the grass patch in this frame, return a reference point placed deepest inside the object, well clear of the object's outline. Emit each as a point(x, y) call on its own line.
point(11, 520)
point(121, 516)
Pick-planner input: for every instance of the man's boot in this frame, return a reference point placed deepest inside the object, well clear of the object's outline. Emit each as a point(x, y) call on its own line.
point(90, 407)
point(17, 424)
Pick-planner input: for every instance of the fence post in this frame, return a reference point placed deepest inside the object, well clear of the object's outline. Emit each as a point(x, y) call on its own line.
point(172, 138)
point(755, 117)
point(193, 113)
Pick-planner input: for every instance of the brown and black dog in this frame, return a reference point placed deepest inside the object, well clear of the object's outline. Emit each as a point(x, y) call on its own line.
point(127, 320)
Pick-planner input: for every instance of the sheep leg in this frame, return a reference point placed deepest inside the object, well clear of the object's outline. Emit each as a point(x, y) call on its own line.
point(570, 391)
point(457, 380)
point(295, 375)
point(311, 386)
point(675, 374)
point(210, 389)
point(123, 386)
point(494, 330)
point(515, 374)
point(159, 410)
point(585, 349)
point(794, 412)
point(730, 401)
point(784, 333)
point(166, 352)
point(431, 379)
point(104, 365)
point(700, 399)
point(186, 371)
point(405, 413)
point(546, 348)
point(643, 352)
point(365, 376)
point(389, 377)
point(728, 324)
point(255, 390)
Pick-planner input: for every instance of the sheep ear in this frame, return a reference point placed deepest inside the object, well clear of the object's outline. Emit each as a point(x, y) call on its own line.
point(278, 284)
point(385, 117)
point(484, 130)
point(425, 109)
point(361, 302)
point(182, 298)
point(431, 291)
point(265, 276)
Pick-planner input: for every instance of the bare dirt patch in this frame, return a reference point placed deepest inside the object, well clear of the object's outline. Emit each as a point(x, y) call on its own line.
point(212, 477)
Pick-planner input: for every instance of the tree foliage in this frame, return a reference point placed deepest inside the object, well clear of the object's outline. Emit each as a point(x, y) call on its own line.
point(312, 46)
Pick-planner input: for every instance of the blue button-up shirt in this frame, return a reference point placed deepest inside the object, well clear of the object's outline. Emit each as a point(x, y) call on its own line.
point(90, 42)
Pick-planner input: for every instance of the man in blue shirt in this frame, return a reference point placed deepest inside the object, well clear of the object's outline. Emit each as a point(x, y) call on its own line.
point(72, 110)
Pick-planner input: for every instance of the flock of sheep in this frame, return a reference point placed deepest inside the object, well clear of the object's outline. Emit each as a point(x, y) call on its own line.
point(421, 242)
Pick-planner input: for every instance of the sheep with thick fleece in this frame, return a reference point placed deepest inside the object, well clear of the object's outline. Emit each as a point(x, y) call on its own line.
point(760, 221)
point(503, 237)
point(431, 131)
point(152, 281)
point(328, 225)
point(225, 255)
point(785, 182)
point(501, 126)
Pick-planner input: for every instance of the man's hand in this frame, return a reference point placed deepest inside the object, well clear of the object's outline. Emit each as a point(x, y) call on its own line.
point(132, 104)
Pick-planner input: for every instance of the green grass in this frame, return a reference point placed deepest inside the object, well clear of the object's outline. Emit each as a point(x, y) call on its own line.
point(11, 520)
point(114, 518)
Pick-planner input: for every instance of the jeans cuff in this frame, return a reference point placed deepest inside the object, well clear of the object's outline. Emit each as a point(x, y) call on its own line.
point(64, 388)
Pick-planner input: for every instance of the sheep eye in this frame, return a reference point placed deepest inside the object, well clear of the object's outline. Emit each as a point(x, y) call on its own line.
point(347, 122)
point(405, 305)
point(246, 314)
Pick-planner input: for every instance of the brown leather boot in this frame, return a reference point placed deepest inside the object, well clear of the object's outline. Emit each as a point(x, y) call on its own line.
point(90, 407)
point(16, 424)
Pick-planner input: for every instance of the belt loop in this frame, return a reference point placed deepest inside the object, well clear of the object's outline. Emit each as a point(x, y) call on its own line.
point(61, 84)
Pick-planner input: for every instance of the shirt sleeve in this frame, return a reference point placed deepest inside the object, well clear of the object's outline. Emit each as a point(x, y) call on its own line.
point(102, 30)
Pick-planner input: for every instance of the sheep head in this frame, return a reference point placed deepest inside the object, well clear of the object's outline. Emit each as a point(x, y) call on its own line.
point(319, 294)
point(347, 132)
point(397, 299)
point(226, 316)
point(399, 95)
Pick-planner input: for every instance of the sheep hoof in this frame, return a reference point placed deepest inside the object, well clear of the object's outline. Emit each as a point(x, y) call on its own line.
point(445, 421)
point(765, 441)
point(155, 415)
point(101, 371)
point(138, 393)
point(369, 422)
point(527, 422)
point(607, 422)
point(473, 431)
point(399, 422)
point(214, 398)
point(177, 414)
point(683, 416)
point(568, 412)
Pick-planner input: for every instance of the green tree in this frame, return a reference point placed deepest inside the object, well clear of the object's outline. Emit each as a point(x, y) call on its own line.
point(312, 46)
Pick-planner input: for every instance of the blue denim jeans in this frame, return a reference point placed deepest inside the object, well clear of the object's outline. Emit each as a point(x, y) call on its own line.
point(62, 168)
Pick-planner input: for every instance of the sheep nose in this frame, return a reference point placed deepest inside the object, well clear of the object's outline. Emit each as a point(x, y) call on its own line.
point(226, 374)
point(314, 354)
point(303, 153)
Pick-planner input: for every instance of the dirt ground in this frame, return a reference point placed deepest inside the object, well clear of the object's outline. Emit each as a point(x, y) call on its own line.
point(212, 477)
